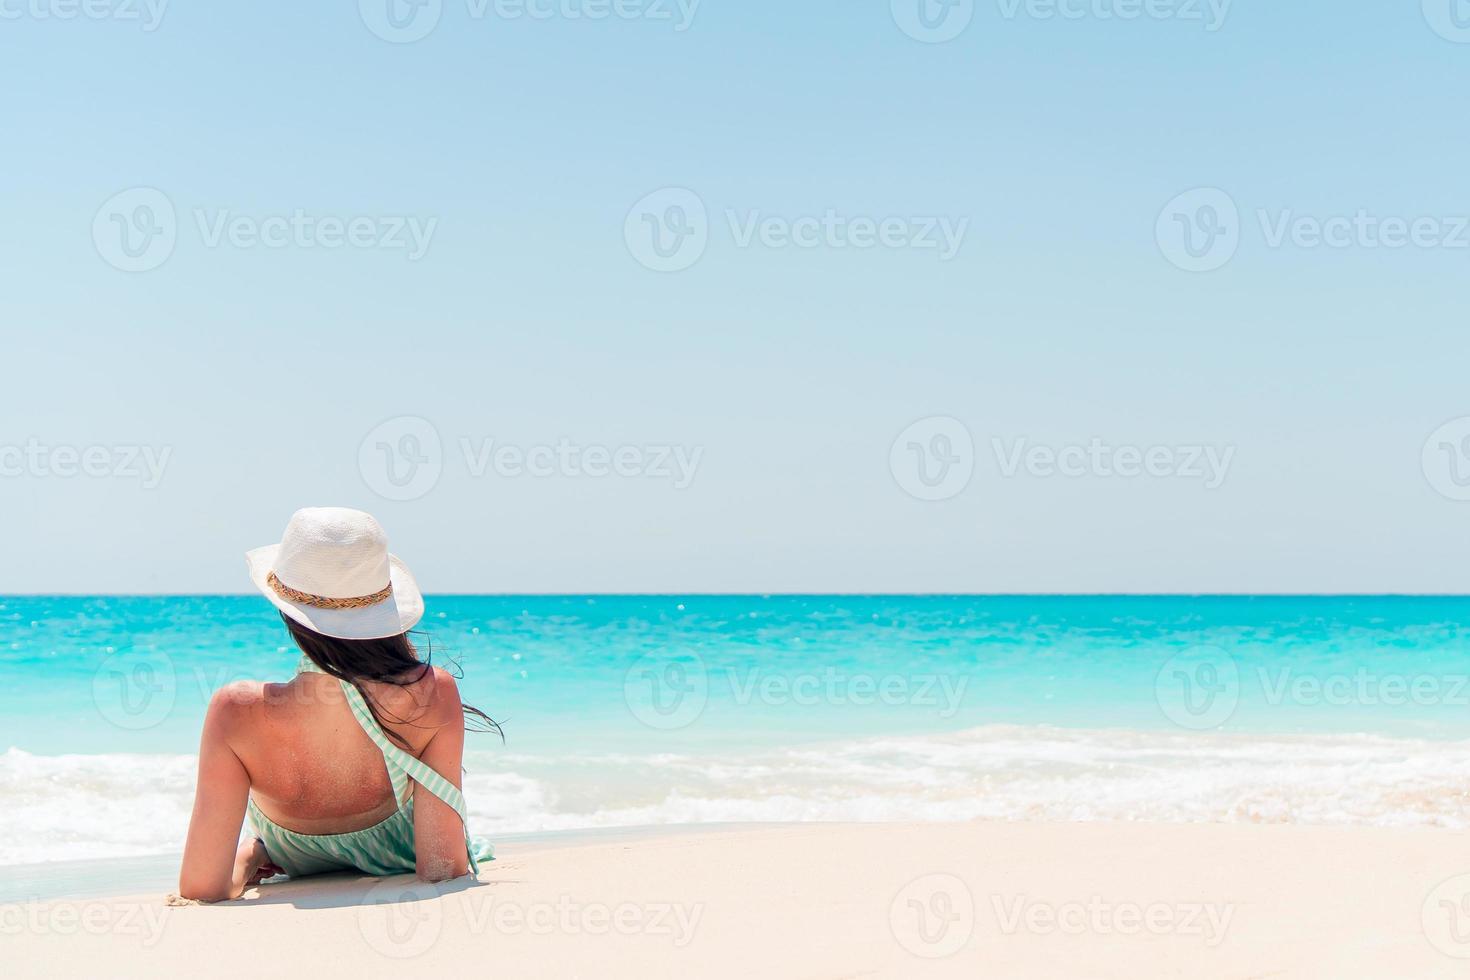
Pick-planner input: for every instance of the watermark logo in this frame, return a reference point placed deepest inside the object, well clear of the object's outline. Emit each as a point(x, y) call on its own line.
point(400, 919)
point(668, 230)
point(667, 692)
point(1199, 689)
point(1445, 917)
point(135, 230)
point(402, 459)
point(933, 459)
point(401, 21)
point(933, 916)
point(135, 690)
point(1446, 459)
point(933, 21)
point(1199, 231)
point(1450, 19)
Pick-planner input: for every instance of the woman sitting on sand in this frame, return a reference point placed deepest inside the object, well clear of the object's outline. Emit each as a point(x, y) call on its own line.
point(354, 764)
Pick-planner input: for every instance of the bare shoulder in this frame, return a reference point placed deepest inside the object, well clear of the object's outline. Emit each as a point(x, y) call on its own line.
point(232, 706)
point(239, 695)
point(443, 694)
point(418, 710)
point(430, 699)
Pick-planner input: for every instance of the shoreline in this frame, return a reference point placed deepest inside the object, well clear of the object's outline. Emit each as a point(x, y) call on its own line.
point(137, 875)
point(830, 901)
point(56, 881)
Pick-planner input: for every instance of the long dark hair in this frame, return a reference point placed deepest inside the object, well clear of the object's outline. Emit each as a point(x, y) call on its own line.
point(391, 660)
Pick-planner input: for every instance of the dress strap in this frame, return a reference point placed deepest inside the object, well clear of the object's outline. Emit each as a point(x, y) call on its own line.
point(401, 766)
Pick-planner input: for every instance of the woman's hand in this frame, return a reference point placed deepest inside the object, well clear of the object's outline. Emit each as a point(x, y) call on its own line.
point(253, 865)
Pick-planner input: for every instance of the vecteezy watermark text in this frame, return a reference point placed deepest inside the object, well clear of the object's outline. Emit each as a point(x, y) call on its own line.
point(1201, 230)
point(568, 459)
point(403, 918)
point(935, 915)
point(938, 21)
point(403, 459)
point(669, 230)
point(144, 920)
point(1363, 229)
point(1209, 13)
point(943, 692)
point(934, 459)
point(1207, 921)
point(301, 229)
point(1285, 685)
point(834, 230)
point(1201, 688)
point(137, 230)
point(38, 460)
point(566, 916)
point(148, 14)
point(677, 13)
point(1208, 464)
point(671, 691)
point(406, 21)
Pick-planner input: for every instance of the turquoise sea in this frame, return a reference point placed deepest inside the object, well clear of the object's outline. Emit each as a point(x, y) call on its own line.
point(625, 711)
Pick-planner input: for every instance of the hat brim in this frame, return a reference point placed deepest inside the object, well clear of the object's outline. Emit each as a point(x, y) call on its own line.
point(394, 615)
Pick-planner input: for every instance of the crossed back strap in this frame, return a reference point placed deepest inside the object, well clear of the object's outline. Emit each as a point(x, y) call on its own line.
point(400, 765)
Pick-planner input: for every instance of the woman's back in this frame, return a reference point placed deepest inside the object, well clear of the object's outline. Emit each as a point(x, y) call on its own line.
point(312, 767)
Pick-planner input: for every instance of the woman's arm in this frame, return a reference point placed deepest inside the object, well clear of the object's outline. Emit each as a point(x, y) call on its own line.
point(210, 872)
point(438, 833)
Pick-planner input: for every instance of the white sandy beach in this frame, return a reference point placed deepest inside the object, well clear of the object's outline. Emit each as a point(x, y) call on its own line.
point(827, 901)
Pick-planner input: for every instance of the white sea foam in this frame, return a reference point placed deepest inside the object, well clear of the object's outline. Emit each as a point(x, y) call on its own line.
point(70, 807)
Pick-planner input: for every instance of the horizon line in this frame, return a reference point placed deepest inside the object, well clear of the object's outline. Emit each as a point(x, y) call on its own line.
point(787, 595)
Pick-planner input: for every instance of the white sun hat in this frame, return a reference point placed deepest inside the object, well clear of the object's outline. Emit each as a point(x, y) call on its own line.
point(332, 573)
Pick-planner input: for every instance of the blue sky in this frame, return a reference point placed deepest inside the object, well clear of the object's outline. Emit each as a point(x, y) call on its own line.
point(520, 148)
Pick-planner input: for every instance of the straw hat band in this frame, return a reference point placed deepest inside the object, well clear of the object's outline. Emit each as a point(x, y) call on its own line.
point(327, 602)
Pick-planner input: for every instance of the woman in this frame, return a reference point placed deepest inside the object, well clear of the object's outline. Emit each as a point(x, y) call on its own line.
point(355, 762)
